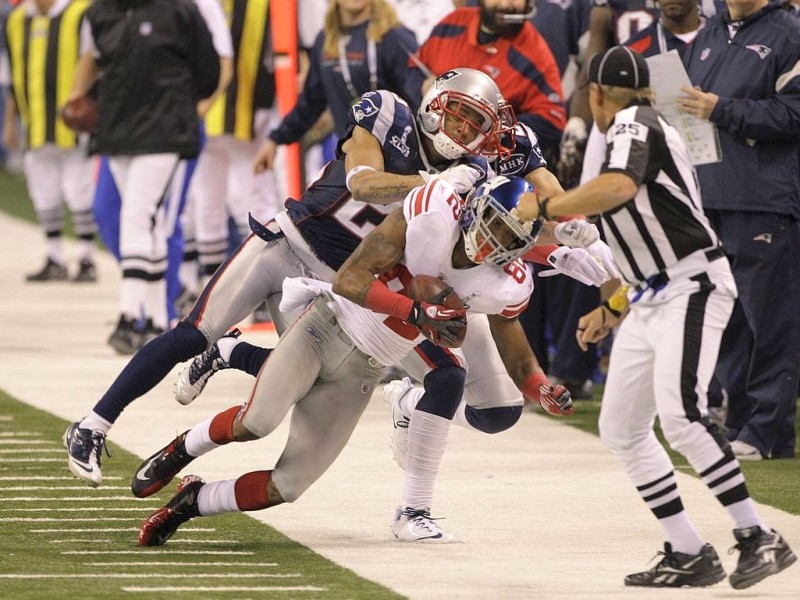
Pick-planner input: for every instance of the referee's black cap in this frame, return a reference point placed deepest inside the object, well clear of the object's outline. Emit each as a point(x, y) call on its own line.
point(619, 66)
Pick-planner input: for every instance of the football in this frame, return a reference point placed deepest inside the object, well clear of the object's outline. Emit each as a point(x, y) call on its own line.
point(426, 288)
point(80, 114)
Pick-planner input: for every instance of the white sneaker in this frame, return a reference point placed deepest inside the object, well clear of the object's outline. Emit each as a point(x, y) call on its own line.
point(416, 525)
point(393, 392)
point(744, 451)
point(84, 452)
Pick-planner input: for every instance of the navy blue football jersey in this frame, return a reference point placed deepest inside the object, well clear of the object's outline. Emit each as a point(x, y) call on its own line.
point(527, 155)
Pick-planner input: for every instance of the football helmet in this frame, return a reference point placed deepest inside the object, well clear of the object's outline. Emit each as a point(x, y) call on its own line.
point(463, 112)
point(492, 232)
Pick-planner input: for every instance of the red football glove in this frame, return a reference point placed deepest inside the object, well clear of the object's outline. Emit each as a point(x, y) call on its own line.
point(439, 323)
point(555, 400)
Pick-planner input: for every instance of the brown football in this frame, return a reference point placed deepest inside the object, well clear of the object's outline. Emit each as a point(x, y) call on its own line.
point(426, 288)
point(80, 114)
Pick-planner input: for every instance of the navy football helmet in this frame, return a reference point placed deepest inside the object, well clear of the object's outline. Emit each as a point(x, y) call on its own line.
point(492, 231)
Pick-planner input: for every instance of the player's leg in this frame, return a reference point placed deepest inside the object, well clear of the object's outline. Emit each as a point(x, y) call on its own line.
point(78, 189)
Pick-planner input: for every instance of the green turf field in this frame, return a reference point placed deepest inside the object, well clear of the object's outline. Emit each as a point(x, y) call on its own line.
point(63, 539)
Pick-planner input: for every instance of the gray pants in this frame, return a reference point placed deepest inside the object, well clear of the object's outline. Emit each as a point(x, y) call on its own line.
point(316, 369)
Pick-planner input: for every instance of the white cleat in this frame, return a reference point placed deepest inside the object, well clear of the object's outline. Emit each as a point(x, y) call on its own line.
point(416, 525)
point(192, 379)
point(393, 392)
point(84, 452)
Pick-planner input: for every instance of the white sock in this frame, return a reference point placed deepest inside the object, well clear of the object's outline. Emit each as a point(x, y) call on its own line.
point(226, 346)
point(155, 304)
point(198, 440)
point(95, 422)
point(744, 514)
point(427, 440)
point(55, 250)
point(86, 249)
point(681, 533)
point(217, 497)
point(132, 292)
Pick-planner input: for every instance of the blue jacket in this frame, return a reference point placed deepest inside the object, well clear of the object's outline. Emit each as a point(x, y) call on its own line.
point(757, 78)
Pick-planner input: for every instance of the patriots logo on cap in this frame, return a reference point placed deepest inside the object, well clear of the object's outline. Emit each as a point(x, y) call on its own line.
point(704, 54)
point(760, 49)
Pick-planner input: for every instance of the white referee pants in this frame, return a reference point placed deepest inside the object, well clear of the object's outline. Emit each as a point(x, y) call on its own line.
point(661, 362)
point(143, 182)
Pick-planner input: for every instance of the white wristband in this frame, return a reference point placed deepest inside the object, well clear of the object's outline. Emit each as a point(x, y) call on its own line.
point(354, 171)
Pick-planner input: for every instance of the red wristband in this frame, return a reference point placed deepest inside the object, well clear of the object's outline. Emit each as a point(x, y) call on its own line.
point(530, 387)
point(383, 300)
point(539, 254)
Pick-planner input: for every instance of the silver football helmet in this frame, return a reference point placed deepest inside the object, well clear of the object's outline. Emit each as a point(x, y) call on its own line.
point(492, 231)
point(464, 112)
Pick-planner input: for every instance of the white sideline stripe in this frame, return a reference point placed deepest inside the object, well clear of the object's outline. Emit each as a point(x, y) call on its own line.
point(116, 529)
point(58, 520)
point(158, 563)
point(172, 542)
point(50, 478)
point(76, 509)
point(158, 550)
point(203, 588)
point(58, 488)
point(150, 576)
point(74, 498)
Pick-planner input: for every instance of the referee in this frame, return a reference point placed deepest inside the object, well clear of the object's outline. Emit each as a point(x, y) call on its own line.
point(677, 298)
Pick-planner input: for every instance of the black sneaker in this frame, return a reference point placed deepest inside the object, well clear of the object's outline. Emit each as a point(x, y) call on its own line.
point(677, 570)
point(158, 470)
point(84, 449)
point(160, 526)
point(87, 273)
point(193, 379)
point(125, 339)
point(761, 554)
point(52, 271)
point(149, 332)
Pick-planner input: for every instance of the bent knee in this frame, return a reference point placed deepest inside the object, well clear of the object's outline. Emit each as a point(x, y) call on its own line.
point(493, 420)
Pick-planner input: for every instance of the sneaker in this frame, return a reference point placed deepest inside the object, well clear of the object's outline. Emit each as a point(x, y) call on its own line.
point(87, 273)
point(417, 525)
point(158, 470)
point(160, 526)
point(761, 554)
point(744, 451)
point(149, 332)
point(393, 392)
point(52, 271)
point(677, 570)
point(125, 339)
point(193, 379)
point(85, 449)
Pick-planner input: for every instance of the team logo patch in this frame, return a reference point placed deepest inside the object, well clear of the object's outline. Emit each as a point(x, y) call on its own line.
point(513, 164)
point(448, 76)
point(760, 49)
point(763, 237)
point(364, 108)
point(493, 71)
point(705, 53)
point(314, 334)
point(401, 142)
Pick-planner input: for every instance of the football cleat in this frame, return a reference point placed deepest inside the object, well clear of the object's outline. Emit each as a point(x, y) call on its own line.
point(84, 450)
point(744, 451)
point(761, 554)
point(160, 526)
point(193, 379)
point(417, 525)
point(87, 272)
point(393, 392)
point(678, 570)
point(158, 470)
point(52, 271)
point(125, 339)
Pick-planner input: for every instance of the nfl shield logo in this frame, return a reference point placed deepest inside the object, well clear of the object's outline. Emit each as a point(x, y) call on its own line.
point(704, 54)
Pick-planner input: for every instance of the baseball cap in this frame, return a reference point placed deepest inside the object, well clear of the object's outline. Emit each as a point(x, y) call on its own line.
point(621, 67)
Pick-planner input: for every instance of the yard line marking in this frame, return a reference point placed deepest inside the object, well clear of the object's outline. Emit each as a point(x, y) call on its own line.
point(76, 509)
point(59, 520)
point(75, 499)
point(4, 434)
point(158, 563)
point(33, 460)
point(204, 588)
point(58, 488)
point(81, 541)
point(150, 575)
point(53, 446)
point(50, 478)
point(144, 551)
point(116, 529)
point(6, 418)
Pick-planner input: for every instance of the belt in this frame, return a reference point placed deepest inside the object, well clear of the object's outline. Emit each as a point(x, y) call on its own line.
point(658, 281)
point(269, 232)
point(714, 254)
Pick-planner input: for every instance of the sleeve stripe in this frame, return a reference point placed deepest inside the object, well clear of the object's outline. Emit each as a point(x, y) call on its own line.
point(422, 198)
point(514, 310)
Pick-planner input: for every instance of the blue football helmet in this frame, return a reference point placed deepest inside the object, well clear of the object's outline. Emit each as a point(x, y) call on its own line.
point(492, 232)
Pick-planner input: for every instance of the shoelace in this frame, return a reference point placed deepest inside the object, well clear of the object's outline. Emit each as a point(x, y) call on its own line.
point(204, 365)
point(422, 518)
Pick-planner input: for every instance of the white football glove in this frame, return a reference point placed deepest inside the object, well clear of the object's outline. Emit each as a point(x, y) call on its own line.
point(577, 233)
point(461, 177)
point(602, 254)
point(578, 263)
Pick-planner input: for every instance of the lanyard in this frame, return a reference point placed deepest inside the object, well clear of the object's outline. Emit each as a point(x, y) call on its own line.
point(662, 39)
point(372, 65)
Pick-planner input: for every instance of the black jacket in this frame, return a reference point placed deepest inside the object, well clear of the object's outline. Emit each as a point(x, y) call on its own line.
point(157, 61)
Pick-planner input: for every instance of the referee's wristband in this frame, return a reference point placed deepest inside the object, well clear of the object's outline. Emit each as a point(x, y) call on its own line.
point(616, 313)
point(543, 208)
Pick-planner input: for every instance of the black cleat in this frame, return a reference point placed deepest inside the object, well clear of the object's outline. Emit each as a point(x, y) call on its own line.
point(125, 339)
point(160, 526)
point(158, 470)
point(52, 271)
point(677, 570)
point(761, 554)
point(87, 272)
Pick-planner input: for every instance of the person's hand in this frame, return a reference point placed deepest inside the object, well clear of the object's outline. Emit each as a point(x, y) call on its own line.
point(440, 321)
point(577, 233)
point(556, 400)
point(577, 263)
point(603, 255)
point(461, 177)
point(698, 103)
point(572, 149)
point(595, 325)
point(11, 135)
point(265, 159)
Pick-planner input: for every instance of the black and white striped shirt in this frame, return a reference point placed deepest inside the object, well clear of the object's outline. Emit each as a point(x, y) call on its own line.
point(664, 223)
